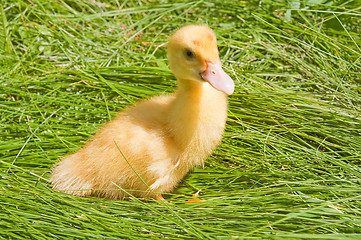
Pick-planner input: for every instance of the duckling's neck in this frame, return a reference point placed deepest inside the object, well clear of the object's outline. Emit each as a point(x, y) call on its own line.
point(197, 116)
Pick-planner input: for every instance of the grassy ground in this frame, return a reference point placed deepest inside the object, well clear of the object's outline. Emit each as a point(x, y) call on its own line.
point(289, 164)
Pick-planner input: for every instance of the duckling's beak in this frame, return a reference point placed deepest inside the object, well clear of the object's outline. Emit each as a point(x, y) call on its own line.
point(215, 75)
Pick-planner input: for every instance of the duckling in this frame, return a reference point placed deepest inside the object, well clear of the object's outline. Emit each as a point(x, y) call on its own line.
point(149, 147)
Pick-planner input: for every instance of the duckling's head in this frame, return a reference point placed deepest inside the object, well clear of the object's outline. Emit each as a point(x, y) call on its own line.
point(193, 56)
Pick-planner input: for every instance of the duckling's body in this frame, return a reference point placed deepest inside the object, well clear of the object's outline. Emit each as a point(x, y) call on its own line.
point(162, 138)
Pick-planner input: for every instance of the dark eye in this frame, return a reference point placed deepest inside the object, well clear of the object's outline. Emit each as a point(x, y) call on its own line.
point(189, 53)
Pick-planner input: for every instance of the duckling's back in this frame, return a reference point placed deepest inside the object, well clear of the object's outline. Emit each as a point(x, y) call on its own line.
point(99, 168)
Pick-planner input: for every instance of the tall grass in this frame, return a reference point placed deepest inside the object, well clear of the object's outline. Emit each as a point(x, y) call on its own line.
point(289, 163)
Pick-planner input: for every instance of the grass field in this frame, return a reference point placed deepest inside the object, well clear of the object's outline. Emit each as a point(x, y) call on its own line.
point(289, 163)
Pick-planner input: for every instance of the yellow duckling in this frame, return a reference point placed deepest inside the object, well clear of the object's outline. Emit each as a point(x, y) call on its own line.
point(160, 139)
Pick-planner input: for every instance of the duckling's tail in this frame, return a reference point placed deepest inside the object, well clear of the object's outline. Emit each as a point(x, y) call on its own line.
point(66, 178)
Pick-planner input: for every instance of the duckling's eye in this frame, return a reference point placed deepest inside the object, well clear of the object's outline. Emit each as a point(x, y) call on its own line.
point(189, 53)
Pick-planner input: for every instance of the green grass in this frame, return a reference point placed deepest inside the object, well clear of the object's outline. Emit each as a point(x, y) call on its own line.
point(289, 164)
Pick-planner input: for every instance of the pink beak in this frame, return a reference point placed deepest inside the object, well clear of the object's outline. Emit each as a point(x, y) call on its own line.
point(215, 75)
